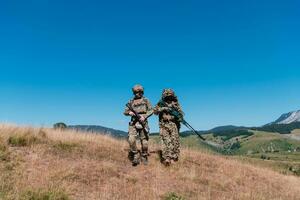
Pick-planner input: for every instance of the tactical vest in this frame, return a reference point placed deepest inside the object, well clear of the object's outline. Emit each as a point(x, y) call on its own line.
point(140, 105)
point(166, 116)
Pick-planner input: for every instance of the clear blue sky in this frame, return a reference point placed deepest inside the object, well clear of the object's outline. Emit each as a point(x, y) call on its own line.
point(230, 62)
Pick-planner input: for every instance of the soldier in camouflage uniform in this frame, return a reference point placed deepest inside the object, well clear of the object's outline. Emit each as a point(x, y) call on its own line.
point(169, 126)
point(143, 107)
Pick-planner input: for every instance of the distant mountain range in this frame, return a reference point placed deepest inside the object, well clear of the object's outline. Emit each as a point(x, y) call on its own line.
point(99, 130)
point(288, 118)
point(284, 125)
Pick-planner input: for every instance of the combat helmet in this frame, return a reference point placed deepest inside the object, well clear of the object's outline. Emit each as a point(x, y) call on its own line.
point(137, 88)
point(168, 93)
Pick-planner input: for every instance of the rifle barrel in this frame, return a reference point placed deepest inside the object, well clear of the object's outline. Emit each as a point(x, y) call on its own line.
point(192, 129)
point(177, 114)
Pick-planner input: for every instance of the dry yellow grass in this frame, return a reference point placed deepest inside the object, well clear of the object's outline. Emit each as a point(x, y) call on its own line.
point(87, 166)
point(296, 132)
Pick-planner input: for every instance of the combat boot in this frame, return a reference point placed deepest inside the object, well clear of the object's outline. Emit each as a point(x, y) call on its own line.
point(135, 160)
point(167, 162)
point(176, 159)
point(131, 155)
point(145, 160)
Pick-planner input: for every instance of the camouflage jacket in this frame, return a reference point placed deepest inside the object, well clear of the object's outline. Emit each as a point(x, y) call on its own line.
point(164, 111)
point(141, 106)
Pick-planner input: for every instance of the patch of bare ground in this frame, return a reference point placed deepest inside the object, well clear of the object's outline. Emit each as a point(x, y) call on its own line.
point(71, 165)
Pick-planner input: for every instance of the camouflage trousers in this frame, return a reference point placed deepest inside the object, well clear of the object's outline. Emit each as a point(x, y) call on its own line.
point(135, 134)
point(169, 134)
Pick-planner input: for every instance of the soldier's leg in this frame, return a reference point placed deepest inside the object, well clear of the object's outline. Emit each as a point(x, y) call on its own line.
point(144, 143)
point(144, 137)
point(177, 148)
point(132, 136)
point(166, 142)
point(175, 142)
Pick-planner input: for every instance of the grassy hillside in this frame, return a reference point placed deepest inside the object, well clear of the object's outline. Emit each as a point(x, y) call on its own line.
point(296, 132)
point(255, 143)
point(192, 142)
point(264, 142)
point(48, 164)
point(273, 150)
point(279, 128)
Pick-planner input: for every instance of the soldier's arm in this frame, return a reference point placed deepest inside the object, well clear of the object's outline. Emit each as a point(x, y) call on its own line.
point(127, 111)
point(149, 110)
point(177, 107)
point(158, 109)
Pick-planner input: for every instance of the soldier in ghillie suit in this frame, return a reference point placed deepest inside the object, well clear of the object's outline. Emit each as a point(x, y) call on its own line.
point(169, 126)
point(140, 109)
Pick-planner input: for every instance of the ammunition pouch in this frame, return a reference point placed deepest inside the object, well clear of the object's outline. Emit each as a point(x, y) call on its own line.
point(138, 126)
point(167, 117)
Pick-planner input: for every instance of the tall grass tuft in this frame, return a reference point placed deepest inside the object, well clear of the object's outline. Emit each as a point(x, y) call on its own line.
point(44, 195)
point(22, 140)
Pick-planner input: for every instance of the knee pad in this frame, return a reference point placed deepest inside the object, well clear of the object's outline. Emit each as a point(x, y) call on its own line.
point(131, 139)
point(144, 145)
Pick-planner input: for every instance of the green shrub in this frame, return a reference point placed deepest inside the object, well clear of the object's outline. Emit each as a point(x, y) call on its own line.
point(235, 146)
point(264, 157)
point(229, 134)
point(295, 170)
point(60, 126)
point(4, 154)
point(173, 196)
point(66, 146)
point(3, 146)
point(279, 128)
point(44, 195)
point(22, 140)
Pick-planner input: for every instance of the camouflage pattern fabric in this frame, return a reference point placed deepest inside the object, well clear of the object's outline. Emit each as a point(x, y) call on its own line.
point(170, 141)
point(169, 125)
point(135, 131)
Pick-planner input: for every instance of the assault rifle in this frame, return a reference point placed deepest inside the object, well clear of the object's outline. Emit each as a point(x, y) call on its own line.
point(138, 117)
point(179, 116)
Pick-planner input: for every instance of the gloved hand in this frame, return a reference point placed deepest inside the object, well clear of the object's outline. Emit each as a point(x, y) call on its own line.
point(167, 109)
point(142, 118)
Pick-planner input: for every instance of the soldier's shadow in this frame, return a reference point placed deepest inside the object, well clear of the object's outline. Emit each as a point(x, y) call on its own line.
point(131, 155)
point(159, 153)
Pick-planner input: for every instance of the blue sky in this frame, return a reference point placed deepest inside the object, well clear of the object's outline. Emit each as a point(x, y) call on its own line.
point(230, 62)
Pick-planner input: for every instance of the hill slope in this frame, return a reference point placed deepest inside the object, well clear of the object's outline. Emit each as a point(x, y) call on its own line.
point(64, 165)
point(99, 129)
